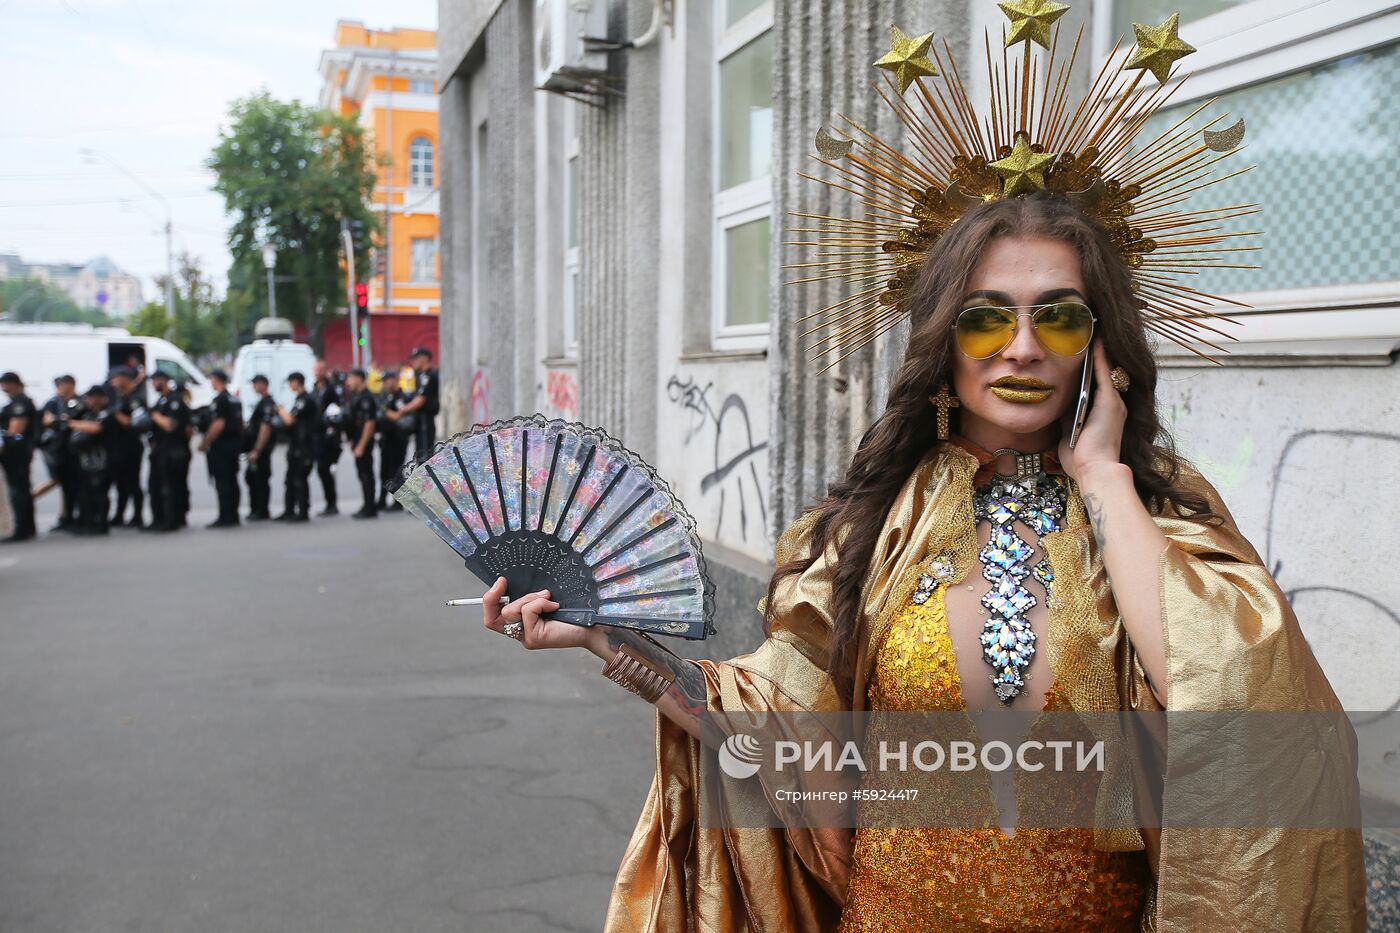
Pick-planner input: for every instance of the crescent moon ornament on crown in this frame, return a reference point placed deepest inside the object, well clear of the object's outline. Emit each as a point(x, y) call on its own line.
point(1035, 137)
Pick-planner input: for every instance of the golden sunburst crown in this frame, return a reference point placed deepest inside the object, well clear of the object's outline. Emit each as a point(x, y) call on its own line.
point(1033, 137)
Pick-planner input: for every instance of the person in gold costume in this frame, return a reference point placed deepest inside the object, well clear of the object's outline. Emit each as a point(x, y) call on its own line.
point(1016, 270)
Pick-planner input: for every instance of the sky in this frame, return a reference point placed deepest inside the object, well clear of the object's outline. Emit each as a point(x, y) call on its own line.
point(144, 84)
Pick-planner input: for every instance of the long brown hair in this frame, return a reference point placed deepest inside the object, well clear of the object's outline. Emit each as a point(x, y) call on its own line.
point(907, 429)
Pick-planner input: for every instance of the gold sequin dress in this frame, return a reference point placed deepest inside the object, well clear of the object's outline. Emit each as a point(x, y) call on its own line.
point(947, 880)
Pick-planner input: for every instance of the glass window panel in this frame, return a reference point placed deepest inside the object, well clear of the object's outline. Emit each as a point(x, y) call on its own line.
point(1323, 143)
point(1152, 12)
point(420, 162)
point(423, 255)
point(573, 201)
point(746, 112)
point(571, 309)
point(735, 10)
point(746, 268)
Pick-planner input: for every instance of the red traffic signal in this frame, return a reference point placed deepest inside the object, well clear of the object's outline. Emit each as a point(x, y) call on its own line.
point(361, 296)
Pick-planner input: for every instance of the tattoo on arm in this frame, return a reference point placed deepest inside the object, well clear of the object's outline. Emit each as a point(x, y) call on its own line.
point(1097, 520)
point(687, 692)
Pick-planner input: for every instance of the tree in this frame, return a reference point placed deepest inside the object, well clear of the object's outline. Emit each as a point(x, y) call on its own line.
point(27, 300)
point(204, 324)
point(289, 175)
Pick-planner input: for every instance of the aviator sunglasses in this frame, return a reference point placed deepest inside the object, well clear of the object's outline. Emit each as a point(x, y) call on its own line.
point(1062, 327)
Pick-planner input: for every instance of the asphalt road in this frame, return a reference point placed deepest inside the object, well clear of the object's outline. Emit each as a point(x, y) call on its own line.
point(281, 728)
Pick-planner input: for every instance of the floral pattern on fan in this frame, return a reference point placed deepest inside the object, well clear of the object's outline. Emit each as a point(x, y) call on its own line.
point(559, 505)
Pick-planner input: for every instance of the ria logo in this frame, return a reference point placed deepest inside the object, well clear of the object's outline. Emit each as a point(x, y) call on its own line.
point(740, 756)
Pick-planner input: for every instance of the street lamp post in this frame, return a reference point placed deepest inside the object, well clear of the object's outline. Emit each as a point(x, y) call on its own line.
point(270, 262)
point(91, 155)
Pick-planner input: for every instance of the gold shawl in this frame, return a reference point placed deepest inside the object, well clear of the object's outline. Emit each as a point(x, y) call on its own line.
point(1232, 641)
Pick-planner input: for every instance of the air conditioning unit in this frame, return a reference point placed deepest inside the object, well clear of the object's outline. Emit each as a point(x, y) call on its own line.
point(563, 61)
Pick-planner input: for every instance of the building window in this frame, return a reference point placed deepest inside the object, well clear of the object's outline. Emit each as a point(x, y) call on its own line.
point(1312, 81)
point(423, 259)
point(743, 189)
point(571, 243)
point(420, 162)
point(420, 86)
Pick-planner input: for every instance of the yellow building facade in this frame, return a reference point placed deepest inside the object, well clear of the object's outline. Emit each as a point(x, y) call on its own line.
point(386, 80)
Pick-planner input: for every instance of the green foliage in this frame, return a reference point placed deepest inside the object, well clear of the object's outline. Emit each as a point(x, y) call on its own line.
point(203, 324)
point(25, 300)
point(289, 174)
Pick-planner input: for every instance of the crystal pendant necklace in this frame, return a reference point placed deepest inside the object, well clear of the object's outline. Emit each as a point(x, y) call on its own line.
point(1038, 499)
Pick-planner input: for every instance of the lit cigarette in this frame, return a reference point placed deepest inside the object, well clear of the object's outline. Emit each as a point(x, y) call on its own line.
point(473, 601)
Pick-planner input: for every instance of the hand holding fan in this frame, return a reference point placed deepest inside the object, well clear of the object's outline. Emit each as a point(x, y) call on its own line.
point(556, 505)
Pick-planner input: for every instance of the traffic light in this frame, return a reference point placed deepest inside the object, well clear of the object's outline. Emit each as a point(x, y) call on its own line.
point(357, 236)
point(362, 297)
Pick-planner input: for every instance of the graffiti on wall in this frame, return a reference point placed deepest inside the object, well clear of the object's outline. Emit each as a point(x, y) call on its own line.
point(480, 400)
point(561, 393)
point(1320, 482)
point(734, 473)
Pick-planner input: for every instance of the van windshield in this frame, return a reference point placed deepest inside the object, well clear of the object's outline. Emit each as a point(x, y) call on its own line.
point(175, 371)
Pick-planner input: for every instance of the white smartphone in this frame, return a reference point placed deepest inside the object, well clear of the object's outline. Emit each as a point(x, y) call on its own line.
point(1086, 389)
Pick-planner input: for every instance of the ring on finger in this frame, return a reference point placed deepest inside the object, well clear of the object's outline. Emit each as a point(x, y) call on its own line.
point(514, 630)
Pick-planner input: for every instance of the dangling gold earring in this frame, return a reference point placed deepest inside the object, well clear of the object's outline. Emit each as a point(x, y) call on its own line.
point(943, 401)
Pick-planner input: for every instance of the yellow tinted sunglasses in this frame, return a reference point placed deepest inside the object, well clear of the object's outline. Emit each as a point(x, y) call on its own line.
point(1062, 327)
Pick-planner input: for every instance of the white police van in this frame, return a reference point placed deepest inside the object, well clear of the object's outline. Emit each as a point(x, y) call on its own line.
point(274, 354)
point(41, 352)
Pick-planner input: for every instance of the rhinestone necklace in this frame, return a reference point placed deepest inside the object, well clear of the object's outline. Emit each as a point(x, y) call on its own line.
point(1038, 499)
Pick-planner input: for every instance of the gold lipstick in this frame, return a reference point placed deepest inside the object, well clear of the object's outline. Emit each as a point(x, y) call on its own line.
point(1021, 389)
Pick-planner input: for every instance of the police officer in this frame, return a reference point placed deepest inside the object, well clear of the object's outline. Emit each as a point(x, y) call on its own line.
point(222, 442)
point(170, 454)
point(330, 400)
point(424, 404)
point(18, 424)
point(395, 428)
point(94, 439)
point(53, 441)
point(360, 420)
point(303, 423)
point(258, 473)
point(127, 448)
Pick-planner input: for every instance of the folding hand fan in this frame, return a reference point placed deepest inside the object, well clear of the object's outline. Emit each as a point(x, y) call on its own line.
point(556, 505)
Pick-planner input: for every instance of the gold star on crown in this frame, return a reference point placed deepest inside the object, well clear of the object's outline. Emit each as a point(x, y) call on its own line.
point(1031, 20)
point(1158, 47)
point(1023, 170)
point(907, 58)
point(1035, 138)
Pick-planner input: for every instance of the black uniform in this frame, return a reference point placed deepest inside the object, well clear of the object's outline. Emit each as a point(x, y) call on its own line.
point(16, 456)
point(61, 462)
point(393, 441)
point(95, 455)
point(258, 473)
point(363, 411)
point(328, 454)
point(303, 437)
point(223, 455)
point(170, 463)
point(127, 453)
point(425, 433)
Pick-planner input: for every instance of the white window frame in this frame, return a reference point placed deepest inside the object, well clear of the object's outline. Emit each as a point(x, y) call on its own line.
point(414, 168)
point(1250, 44)
point(571, 251)
point(420, 85)
point(749, 201)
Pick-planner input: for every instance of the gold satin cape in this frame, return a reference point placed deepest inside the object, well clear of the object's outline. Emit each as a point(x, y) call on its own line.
point(1233, 643)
